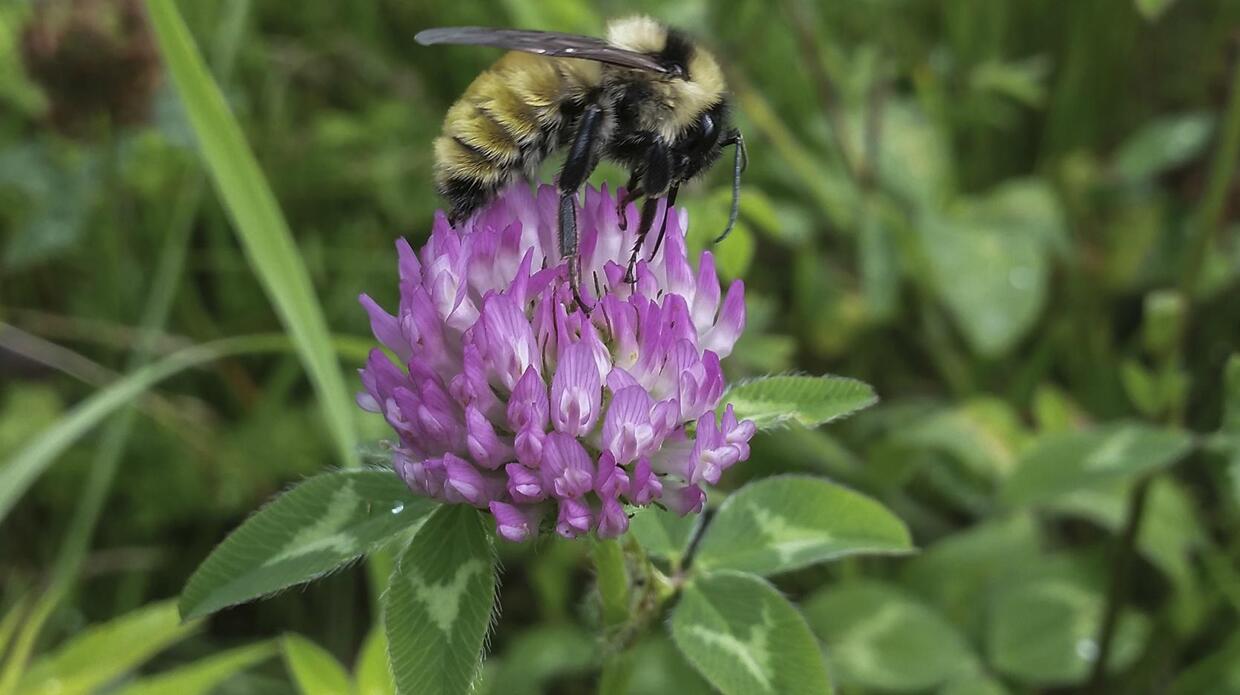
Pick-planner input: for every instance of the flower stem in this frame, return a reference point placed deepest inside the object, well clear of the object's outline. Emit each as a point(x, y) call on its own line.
point(613, 581)
point(613, 592)
point(1117, 593)
point(616, 672)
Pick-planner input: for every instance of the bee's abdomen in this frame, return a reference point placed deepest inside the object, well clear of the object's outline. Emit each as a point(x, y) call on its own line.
point(507, 121)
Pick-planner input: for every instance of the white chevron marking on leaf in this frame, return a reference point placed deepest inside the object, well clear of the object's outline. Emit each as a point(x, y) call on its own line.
point(443, 600)
point(752, 653)
point(323, 533)
point(785, 538)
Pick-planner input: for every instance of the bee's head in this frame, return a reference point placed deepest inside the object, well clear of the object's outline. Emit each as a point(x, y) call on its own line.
point(688, 107)
point(693, 84)
point(698, 146)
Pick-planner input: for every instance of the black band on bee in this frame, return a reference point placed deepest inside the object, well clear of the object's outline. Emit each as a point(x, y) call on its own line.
point(465, 196)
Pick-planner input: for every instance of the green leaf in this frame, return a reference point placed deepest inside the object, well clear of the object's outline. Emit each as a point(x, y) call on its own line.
point(61, 189)
point(1216, 674)
point(657, 667)
point(323, 523)
point(877, 637)
point(663, 533)
point(20, 471)
point(100, 654)
point(791, 521)
point(993, 280)
point(1042, 632)
point(914, 160)
point(1170, 534)
point(1162, 144)
point(878, 257)
point(536, 657)
point(373, 675)
point(988, 259)
point(257, 220)
point(315, 671)
point(1170, 531)
point(438, 607)
point(810, 401)
point(984, 434)
point(1153, 9)
point(1023, 81)
point(1142, 387)
point(973, 684)
point(1231, 395)
point(17, 91)
point(1055, 411)
point(1062, 462)
point(746, 638)
point(957, 571)
point(201, 677)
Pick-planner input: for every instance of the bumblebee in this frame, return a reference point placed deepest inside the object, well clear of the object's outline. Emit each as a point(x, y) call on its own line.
point(645, 97)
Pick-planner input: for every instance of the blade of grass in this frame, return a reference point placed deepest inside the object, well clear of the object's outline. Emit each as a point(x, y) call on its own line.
point(160, 296)
point(23, 646)
point(9, 623)
point(257, 220)
point(30, 462)
point(107, 456)
point(22, 469)
point(1206, 221)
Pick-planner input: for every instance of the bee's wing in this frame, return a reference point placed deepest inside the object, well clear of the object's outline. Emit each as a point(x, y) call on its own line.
point(547, 43)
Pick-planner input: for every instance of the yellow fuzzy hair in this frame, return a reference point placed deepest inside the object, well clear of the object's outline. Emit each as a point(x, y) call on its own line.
point(641, 34)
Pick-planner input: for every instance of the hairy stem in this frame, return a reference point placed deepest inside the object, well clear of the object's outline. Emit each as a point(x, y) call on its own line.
point(613, 581)
point(617, 668)
point(1120, 569)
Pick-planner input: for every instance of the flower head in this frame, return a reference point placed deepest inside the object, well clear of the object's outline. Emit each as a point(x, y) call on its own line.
point(509, 396)
point(93, 58)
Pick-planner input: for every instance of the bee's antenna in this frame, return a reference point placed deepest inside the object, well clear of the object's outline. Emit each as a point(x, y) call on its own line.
point(739, 162)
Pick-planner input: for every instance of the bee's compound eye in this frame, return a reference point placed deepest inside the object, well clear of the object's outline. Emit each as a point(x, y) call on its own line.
point(707, 126)
point(706, 135)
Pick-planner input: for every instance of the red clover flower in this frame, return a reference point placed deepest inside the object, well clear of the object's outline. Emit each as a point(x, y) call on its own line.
point(509, 396)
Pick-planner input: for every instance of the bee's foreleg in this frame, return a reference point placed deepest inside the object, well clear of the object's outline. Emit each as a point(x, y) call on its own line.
point(739, 162)
point(649, 209)
point(671, 200)
point(656, 178)
point(632, 193)
point(580, 161)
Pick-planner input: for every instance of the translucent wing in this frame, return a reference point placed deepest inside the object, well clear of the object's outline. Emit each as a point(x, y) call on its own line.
point(547, 43)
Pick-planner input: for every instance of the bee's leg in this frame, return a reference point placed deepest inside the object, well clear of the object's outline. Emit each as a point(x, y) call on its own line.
point(632, 193)
point(578, 164)
point(656, 178)
point(671, 200)
point(739, 162)
point(649, 209)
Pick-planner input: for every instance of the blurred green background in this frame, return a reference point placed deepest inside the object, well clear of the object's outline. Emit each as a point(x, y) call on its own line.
point(1019, 220)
